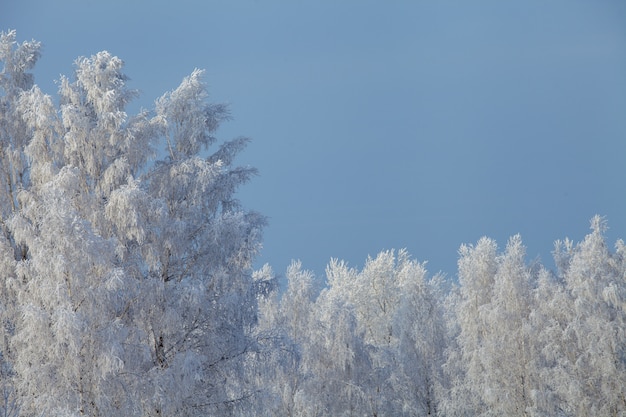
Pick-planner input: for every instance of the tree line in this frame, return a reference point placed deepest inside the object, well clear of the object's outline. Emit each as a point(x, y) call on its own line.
point(128, 288)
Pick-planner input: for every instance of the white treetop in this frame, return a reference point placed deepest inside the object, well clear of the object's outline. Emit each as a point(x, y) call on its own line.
point(131, 275)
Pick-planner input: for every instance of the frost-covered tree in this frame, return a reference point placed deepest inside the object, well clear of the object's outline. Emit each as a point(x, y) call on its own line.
point(466, 365)
point(127, 257)
point(492, 363)
point(284, 333)
point(398, 312)
point(422, 339)
point(373, 294)
point(370, 344)
point(531, 342)
point(590, 362)
point(551, 315)
point(67, 338)
point(15, 81)
point(339, 359)
point(184, 231)
point(320, 363)
point(17, 60)
point(507, 345)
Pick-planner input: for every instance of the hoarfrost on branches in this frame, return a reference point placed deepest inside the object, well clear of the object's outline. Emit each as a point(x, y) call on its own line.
point(127, 284)
point(131, 282)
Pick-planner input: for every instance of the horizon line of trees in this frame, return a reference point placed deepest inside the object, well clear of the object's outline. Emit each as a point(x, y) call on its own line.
point(127, 286)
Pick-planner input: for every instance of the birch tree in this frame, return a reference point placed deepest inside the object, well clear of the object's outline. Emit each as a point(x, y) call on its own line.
point(549, 319)
point(132, 267)
point(466, 366)
point(398, 314)
point(508, 353)
point(15, 80)
point(592, 362)
point(282, 333)
point(418, 378)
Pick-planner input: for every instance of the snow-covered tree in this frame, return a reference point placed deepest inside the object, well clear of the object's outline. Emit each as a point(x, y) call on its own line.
point(466, 364)
point(370, 344)
point(399, 315)
point(17, 60)
point(531, 342)
point(373, 296)
point(551, 315)
point(15, 81)
point(339, 360)
point(590, 362)
point(182, 229)
point(422, 340)
point(492, 364)
point(507, 346)
point(283, 332)
point(131, 273)
point(67, 337)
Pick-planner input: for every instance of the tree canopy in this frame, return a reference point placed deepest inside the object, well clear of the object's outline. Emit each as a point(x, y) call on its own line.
point(128, 286)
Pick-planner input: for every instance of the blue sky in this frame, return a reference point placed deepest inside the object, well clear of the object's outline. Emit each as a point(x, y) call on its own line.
point(377, 125)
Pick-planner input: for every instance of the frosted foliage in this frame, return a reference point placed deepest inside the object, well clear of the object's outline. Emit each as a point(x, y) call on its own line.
point(328, 365)
point(422, 340)
point(189, 121)
point(338, 357)
point(377, 295)
point(508, 388)
point(477, 268)
point(519, 340)
point(131, 212)
point(17, 60)
point(128, 286)
point(44, 148)
point(99, 138)
point(592, 364)
point(64, 302)
point(296, 304)
point(529, 342)
point(284, 331)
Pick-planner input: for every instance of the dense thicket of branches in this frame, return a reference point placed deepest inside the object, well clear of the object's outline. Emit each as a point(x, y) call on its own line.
point(127, 288)
point(511, 339)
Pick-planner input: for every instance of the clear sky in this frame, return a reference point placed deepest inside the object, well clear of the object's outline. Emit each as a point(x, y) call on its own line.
point(376, 125)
